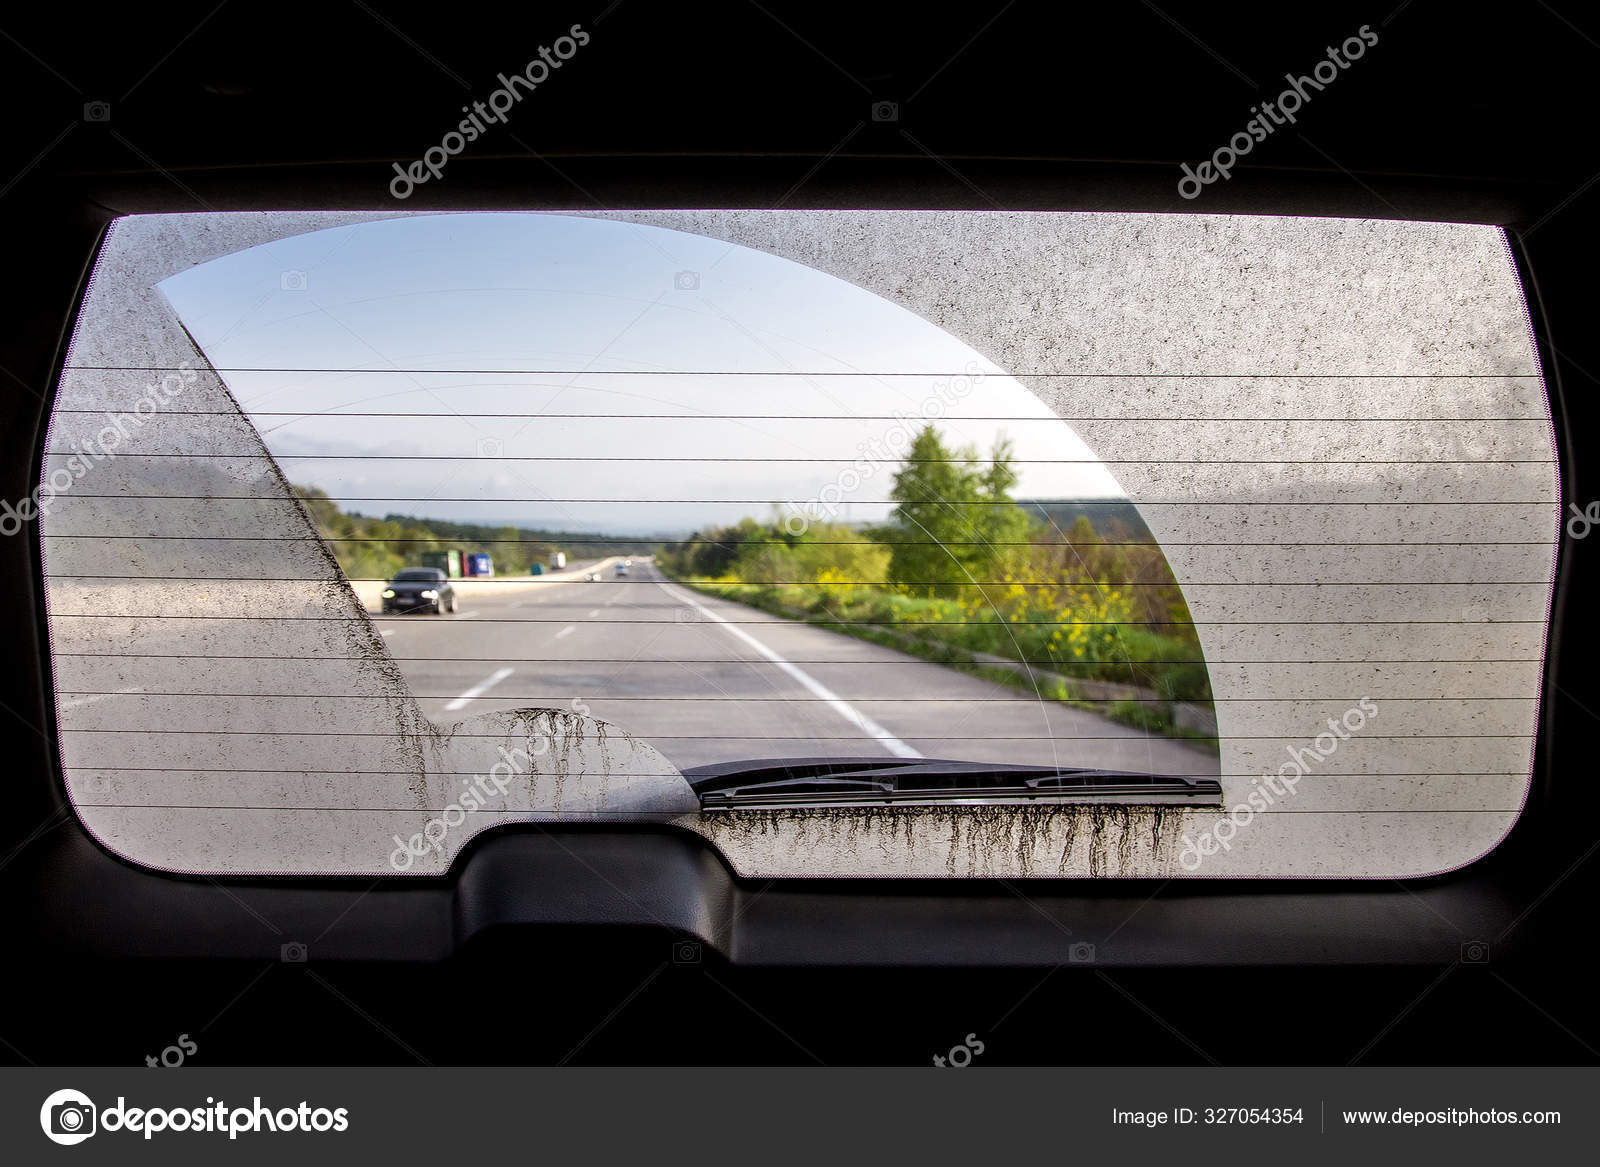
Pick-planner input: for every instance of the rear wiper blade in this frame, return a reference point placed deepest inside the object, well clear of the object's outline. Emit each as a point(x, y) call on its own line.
point(901, 781)
point(780, 786)
point(720, 774)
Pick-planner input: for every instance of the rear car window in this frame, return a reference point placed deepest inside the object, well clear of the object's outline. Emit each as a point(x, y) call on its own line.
point(879, 543)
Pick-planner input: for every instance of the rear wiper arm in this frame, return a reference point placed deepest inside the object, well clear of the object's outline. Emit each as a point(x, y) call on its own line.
point(900, 781)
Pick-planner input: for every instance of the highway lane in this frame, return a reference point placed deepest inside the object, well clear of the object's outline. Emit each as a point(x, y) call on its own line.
point(706, 680)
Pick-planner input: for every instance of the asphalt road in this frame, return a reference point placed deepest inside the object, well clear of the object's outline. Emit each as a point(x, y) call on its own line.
point(708, 680)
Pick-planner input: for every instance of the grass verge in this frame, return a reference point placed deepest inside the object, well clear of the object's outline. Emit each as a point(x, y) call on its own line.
point(864, 616)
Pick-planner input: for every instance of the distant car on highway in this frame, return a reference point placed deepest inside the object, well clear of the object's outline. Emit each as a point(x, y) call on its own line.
point(420, 589)
point(622, 569)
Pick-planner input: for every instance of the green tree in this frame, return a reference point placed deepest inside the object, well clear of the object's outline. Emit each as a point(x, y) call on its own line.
point(956, 518)
point(1002, 528)
point(934, 489)
point(509, 555)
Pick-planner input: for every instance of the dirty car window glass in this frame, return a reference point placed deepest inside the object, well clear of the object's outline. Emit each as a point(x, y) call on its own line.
point(376, 531)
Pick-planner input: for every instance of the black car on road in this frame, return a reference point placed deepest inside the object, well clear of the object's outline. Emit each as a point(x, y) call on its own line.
point(420, 589)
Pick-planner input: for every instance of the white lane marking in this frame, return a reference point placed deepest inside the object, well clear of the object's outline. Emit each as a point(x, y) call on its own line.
point(567, 631)
point(839, 705)
point(467, 616)
point(386, 632)
point(479, 689)
point(593, 612)
point(82, 701)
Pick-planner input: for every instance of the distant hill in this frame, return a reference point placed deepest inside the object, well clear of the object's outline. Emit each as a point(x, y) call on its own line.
point(372, 548)
point(579, 544)
point(1112, 518)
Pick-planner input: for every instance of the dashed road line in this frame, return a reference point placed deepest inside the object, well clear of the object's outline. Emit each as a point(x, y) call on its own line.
point(478, 690)
point(837, 703)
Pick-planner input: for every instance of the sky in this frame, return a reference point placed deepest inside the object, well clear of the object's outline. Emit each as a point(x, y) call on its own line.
point(591, 375)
